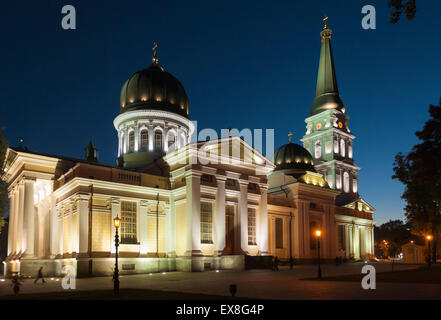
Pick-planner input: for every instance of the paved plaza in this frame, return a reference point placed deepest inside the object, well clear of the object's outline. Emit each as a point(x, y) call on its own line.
point(261, 284)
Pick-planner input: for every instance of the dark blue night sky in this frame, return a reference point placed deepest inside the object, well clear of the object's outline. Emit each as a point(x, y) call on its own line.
point(244, 64)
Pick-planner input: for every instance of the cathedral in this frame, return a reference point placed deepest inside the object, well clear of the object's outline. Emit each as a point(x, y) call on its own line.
point(208, 205)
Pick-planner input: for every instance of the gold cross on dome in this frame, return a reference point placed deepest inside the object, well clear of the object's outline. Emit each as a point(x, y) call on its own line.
point(155, 46)
point(290, 136)
point(155, 57)
point(325, 20)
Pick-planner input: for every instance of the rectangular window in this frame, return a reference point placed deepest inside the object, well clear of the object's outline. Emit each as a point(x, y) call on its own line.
point(251, 226)
point(207, 178)
point(230, 183)
point(128, 222)
point(279, 233)
point(206, 222)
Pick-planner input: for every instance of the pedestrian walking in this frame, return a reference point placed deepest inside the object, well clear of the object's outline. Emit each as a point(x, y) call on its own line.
point(40, 275)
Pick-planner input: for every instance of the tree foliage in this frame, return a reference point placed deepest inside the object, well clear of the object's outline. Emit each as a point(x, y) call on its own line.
point(420, 172)
point(390, 236)
point(402, 7)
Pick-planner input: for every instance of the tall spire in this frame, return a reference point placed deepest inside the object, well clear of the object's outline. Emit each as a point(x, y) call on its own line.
point(326, 95)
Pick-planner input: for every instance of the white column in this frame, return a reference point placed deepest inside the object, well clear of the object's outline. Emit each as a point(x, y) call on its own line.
point(142, 227)
point(355, 241)
point(172, 233)
point(61, 230)
point(11, 224)
point(243, 214)
point(372, 240)
point(54, 241)
point(347, 241)
point(193, 235)
point(165, 137)
point(114, 203)
point(151, 135)
point(136, 136)
point(126, 140)
point(168, 227)
point(178, 137)
point(83, 226)
point(73, 237)
point(219, 227)
point(306, 228)
point(119, 143)
point(28, 218)
point(16, 239)
point(263, 220)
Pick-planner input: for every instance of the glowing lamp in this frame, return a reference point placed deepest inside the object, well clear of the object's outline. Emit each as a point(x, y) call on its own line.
point(429, 237)
point(318, 233)
point(116, 222)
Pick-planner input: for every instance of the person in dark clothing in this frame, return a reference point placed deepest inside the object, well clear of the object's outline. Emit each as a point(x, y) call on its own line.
point(40, 275)
point(291, 262)
point(276, 264)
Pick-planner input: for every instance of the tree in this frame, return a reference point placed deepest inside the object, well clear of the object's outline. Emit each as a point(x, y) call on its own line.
point(420, 172)
point(3, 185)
point(401, 6)
point(390, 236)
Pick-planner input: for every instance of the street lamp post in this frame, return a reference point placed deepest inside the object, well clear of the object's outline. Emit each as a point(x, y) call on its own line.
point(116, 223)
point(429, 238)
point(318, 234)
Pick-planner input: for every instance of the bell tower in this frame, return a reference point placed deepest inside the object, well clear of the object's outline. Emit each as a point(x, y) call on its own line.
point(328, 137)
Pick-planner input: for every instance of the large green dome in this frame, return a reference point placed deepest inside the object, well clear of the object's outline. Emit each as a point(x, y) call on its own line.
point(154, 89)
point(293, 159)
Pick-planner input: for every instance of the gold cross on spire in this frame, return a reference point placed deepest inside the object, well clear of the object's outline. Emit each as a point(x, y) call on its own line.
point(325, 20)
point(155, 57)
point(290, 136)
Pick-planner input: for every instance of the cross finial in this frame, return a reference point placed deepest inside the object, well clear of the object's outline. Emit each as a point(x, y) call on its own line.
point(325, 20)
point(290, 136)
point(154, 49)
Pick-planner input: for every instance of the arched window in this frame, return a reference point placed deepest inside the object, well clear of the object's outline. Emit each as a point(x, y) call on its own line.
point(350, 151)
point(354, 185)
point(131, 141)
point(346, 182)
point(318, 149)
point(342, 148)
point(171, 141)
point(158, 140)
point(144, 140)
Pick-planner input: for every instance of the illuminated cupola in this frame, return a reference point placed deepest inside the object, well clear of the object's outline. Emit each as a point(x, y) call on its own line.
point(153, 118)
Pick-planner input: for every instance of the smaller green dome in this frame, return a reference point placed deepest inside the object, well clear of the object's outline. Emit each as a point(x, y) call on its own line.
point(293, 159)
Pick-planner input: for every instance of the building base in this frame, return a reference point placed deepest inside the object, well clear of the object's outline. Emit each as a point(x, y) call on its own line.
point(95, 267)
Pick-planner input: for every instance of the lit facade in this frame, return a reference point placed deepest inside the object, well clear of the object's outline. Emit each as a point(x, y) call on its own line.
point(183, 206)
